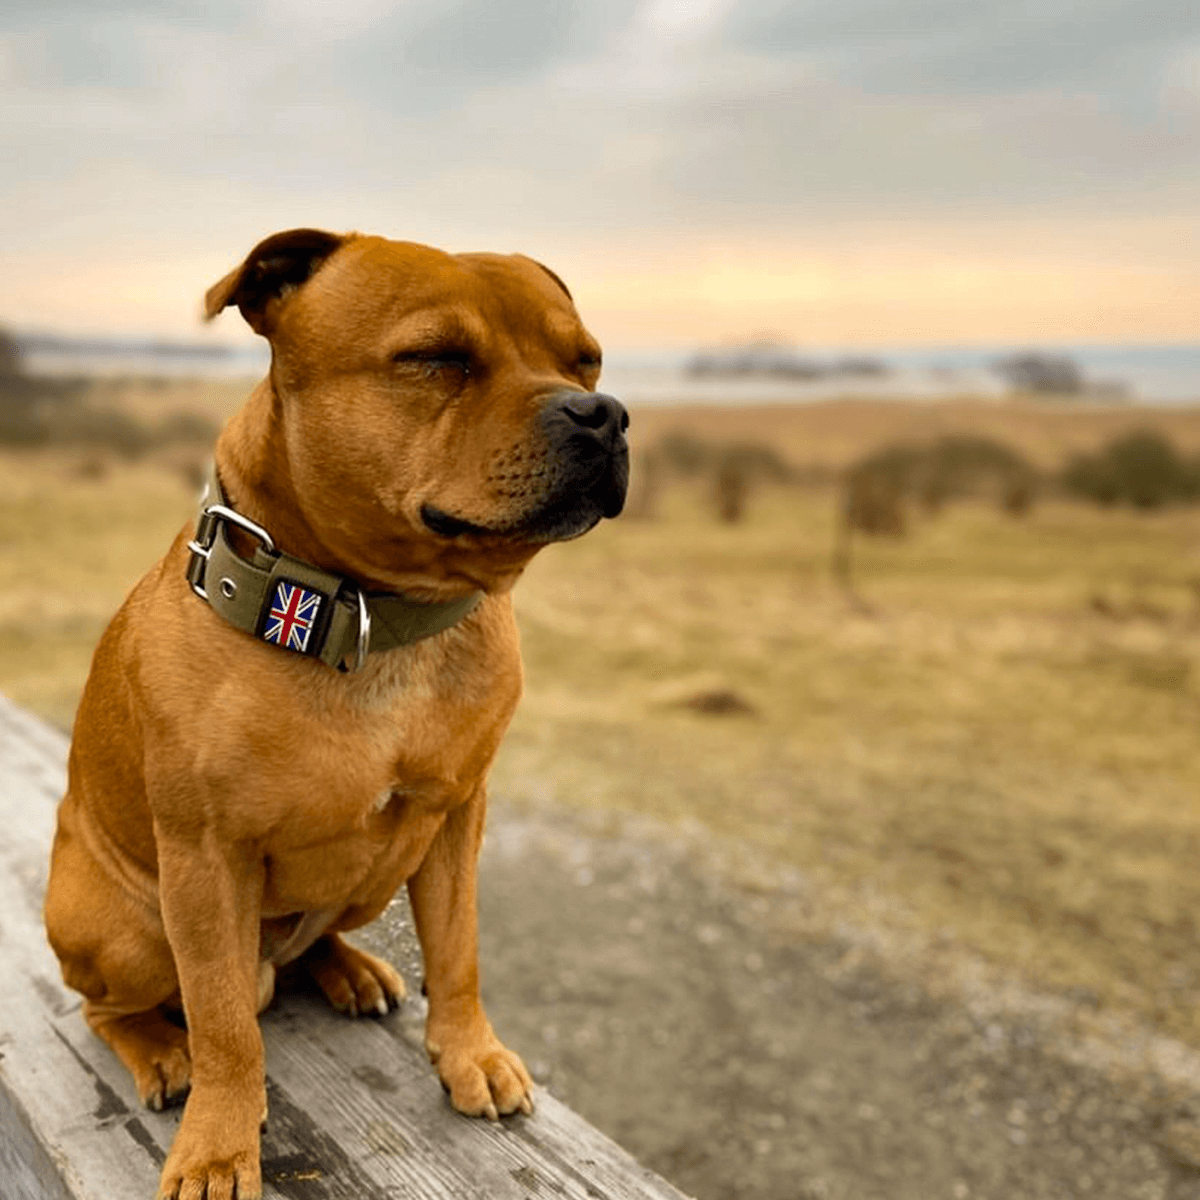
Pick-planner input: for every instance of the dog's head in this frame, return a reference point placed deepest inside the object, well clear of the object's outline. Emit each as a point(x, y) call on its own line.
point(437, 412)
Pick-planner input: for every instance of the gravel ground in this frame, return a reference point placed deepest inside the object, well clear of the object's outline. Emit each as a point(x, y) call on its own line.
point(748, 1035)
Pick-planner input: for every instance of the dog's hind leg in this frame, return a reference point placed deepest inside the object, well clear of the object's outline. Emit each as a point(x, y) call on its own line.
point(112, 947)
point(354, 982)
point(153, 1049)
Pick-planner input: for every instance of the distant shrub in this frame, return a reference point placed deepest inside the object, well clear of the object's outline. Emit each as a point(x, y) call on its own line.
point(21, 425)
point(645, 485)
point(740, 467)
point(731, 490)
point(28, 404)
point(965, 465)
point(10, 355)
point(1142, 468)
point(1089, 477)
point(185, 428)
point(100, 428)
point(40, 410)
point(878, 488)
point(762, 463)
point(683, 455)
point(731, 471)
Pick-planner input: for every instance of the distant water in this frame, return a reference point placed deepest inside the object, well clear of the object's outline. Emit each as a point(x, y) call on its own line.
point(1151, 374)
point(1146, 374)
point(176, 362)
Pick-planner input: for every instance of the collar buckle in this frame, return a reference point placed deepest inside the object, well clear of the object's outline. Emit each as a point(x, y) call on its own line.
point(283, 600)
point(211, 517)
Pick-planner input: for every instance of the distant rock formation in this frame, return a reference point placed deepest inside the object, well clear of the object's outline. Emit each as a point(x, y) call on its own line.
point(769, 359)
point(1039, 372)
point(1055, 375)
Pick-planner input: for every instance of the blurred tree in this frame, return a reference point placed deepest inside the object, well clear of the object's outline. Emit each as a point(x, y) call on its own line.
point(878, 490)
point(10, 355)
point(732, 489)
point(1142, 468)
point(646, 470)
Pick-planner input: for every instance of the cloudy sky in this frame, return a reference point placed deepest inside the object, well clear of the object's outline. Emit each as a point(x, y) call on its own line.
point(865, 172)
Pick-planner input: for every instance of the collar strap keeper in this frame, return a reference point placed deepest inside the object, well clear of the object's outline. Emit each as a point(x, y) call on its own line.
point(292, 604)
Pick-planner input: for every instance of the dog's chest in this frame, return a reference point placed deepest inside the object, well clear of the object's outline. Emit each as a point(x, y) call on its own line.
point(378, 778)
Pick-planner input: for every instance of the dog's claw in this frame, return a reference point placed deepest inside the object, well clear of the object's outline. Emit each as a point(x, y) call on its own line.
point(526, 1105)
point(354, 982)
point(491, 1113)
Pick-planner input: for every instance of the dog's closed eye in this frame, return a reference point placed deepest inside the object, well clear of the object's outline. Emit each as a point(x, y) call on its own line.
point(437, 362)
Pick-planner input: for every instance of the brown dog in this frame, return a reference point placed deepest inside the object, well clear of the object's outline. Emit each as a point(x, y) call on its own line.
point(429, 422)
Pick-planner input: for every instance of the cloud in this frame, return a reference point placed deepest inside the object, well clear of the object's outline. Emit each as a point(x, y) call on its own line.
point(584, 132)
point(430, 55)
point(949, 47)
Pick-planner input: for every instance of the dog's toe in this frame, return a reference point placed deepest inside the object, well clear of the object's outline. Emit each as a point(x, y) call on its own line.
point(354, 982)
point(485, 1079)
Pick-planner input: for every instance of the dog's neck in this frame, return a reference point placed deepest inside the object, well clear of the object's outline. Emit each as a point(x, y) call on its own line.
point(255, 472)
point(286, 600)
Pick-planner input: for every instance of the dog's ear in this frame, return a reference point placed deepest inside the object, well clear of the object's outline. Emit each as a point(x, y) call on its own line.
point(274, 269)
point(552, 276)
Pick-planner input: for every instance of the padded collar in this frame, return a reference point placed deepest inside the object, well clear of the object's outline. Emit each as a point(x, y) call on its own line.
point(292, 604)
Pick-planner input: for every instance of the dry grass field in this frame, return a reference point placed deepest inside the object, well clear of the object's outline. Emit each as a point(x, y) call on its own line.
point(834, 433)
point(1002, 743)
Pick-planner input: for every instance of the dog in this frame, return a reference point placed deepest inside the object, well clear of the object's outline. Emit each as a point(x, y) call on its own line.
point(294, 712)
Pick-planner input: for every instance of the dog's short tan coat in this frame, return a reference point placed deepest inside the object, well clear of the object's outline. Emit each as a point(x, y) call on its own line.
point(233, 806)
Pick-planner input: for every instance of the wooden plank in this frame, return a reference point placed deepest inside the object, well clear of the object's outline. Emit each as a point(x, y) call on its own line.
point(355, 1109)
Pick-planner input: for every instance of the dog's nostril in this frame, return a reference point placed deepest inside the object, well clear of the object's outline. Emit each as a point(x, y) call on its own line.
point(594, 410)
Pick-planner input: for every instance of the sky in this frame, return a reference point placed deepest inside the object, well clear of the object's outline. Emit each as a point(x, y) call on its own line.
point(859, 173)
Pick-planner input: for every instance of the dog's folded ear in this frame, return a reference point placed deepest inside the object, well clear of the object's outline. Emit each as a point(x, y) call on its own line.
point(552, 275)
point(274, 269)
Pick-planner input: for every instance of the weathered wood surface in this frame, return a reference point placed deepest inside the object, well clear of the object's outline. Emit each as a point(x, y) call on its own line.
point(355, 1110)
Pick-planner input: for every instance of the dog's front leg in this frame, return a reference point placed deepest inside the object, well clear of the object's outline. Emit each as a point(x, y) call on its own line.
point(482, 1076)
point(211, 896)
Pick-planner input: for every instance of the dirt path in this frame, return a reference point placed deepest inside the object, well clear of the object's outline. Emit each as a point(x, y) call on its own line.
point(733, 1029)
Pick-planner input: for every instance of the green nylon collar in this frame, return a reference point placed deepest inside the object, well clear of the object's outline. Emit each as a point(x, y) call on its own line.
point(330, 617)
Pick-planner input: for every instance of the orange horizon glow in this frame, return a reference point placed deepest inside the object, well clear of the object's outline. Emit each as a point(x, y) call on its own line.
point(1136, 281)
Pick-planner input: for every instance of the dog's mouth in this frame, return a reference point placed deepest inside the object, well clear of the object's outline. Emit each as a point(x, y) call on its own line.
point(444, 525)
point(578, 503)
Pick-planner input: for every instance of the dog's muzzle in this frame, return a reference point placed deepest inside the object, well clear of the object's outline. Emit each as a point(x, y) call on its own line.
point(585, 432)
point(582, 473)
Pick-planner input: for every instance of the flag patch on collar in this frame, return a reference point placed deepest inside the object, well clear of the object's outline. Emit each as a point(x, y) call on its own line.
point(292, 616)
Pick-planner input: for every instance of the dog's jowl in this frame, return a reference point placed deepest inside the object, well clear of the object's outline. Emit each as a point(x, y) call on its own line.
point(294, 712)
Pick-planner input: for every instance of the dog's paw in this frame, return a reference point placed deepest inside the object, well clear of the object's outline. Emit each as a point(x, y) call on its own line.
point(214, 1157)
point(167, 1075)
point(156, 1053)
point(236, 1179)
point(354, 982)
point(484, 1078)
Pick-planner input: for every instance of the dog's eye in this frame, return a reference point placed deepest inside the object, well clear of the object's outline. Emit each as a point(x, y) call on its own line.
point(434, 363)
point(589, 361)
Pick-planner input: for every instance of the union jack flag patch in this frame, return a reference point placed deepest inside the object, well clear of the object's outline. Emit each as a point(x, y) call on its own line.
point(292, 616)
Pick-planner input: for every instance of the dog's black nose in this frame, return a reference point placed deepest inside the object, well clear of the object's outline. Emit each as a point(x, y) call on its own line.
point(595, 411)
